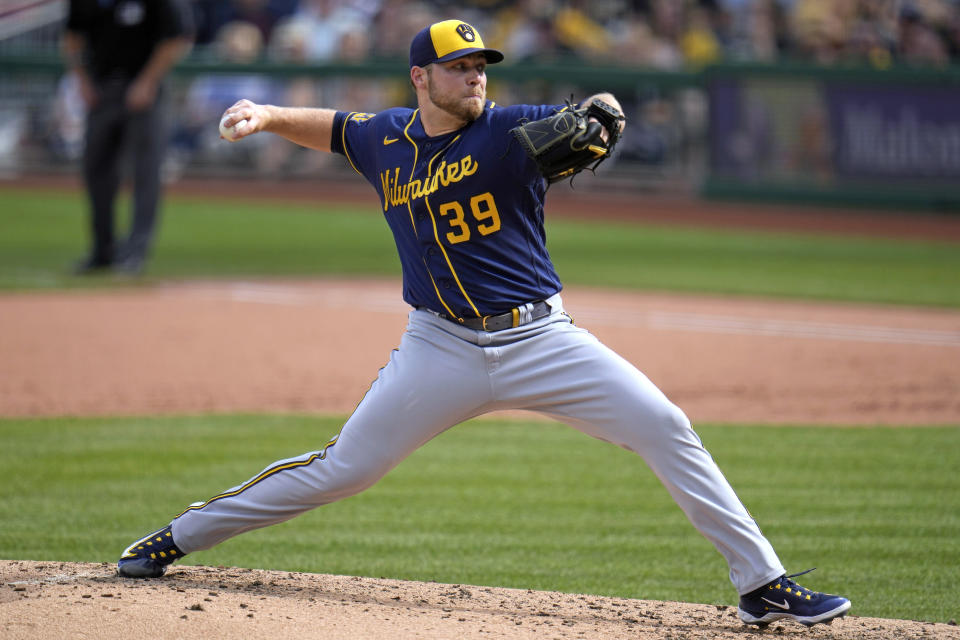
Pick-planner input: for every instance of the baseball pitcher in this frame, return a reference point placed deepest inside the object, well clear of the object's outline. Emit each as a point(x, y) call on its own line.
point(462, 183)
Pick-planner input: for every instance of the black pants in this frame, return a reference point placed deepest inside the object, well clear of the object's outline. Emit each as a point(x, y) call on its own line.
point(112, 129)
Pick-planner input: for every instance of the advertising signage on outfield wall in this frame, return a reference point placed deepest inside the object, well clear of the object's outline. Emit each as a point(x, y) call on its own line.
point(807, 135)
point(895, 133)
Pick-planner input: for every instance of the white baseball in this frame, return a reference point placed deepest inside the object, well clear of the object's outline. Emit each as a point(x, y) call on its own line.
point(230, 133)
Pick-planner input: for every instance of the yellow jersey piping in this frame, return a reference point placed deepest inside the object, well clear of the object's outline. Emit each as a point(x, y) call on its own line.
point(343, 139)
point(436, 233)
point(416, 152)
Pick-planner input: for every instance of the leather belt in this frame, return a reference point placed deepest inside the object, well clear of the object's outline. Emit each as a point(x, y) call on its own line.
point(516, 317)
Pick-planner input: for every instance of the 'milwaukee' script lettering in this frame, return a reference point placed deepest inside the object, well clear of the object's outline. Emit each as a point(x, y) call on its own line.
point(904, 143)
point(397, 193)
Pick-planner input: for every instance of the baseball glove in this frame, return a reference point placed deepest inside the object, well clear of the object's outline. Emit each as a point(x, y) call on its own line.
point(571, 140)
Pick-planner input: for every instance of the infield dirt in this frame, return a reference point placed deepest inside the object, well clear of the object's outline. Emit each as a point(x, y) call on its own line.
point(315, 346)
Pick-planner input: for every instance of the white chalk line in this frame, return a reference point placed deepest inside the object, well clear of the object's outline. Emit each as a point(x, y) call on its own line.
point(336, 298)
point(743, 325)
point(342, 298)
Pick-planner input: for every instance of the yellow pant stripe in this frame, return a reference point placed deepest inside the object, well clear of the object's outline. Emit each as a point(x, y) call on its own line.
point(263, 476)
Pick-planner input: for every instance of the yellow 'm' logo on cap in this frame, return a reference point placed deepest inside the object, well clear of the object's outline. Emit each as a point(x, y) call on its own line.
point(449, 36)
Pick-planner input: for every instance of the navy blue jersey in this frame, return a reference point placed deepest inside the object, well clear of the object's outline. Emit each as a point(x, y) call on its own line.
point(465, 208)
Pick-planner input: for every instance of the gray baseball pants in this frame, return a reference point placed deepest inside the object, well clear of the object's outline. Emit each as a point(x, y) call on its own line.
point(443, 374)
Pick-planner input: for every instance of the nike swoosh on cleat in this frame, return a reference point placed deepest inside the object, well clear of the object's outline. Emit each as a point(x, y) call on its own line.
point(784, 605)
point(387, 140)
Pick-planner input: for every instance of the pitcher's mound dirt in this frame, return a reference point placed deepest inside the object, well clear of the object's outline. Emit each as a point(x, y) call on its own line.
point(70, 600)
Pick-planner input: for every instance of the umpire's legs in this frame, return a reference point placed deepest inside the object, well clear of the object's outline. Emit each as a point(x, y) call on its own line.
point(101, 167)
point(147, 133)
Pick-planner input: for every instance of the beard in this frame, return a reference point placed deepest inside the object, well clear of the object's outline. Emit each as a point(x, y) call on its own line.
point(466, 111)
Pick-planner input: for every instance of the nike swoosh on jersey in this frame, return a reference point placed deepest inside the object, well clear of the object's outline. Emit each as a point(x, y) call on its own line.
point(784, 605)
point(387, 140)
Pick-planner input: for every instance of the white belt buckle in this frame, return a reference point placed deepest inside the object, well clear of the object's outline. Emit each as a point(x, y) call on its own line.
point(526, 313)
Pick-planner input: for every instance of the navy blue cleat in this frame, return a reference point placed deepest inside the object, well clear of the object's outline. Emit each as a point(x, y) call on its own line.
point(785, 599)
point(149, 556)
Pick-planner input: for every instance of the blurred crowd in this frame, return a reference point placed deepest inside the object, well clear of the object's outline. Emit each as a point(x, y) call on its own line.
point(655, 34)
point(659, 34)
point(652, 34)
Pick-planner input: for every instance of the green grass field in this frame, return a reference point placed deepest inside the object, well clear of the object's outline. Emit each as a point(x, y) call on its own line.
point(502, 503)
point(528, 505)
point(43, 233)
